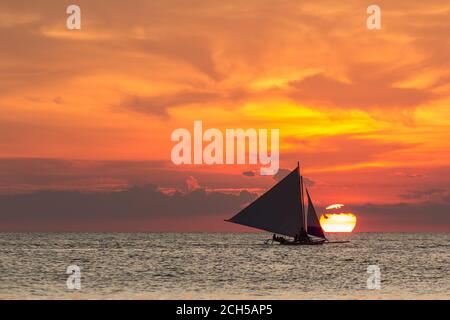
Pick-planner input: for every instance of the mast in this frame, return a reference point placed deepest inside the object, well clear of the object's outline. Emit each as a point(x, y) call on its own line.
point(305, 216)
point(302, 204)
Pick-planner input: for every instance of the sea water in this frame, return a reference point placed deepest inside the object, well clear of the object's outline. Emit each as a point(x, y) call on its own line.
point(222, 266)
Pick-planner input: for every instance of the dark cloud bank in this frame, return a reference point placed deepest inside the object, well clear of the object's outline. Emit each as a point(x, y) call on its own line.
point(62, 210)
point(423, 217)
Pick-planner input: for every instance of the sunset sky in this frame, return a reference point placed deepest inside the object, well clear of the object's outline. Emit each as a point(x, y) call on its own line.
point(366, 112)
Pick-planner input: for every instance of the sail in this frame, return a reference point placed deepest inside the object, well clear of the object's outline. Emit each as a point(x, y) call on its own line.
point(278, 210)
point(314, 227)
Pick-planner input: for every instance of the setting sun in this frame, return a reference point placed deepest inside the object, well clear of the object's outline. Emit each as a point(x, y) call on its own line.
point(338, 222)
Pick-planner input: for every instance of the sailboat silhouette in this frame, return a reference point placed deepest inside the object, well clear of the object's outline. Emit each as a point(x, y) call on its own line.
point(281, 210)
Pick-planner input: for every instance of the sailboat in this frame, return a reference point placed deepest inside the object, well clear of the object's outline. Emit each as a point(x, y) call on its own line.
point(281, 210)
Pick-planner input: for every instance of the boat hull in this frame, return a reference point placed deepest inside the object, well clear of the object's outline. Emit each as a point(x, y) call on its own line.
point(286, 242)
point(311, 243)
point(332, 242)
point(292, 243)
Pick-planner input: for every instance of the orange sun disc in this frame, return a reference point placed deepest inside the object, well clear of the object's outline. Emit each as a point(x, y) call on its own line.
point(338, 222)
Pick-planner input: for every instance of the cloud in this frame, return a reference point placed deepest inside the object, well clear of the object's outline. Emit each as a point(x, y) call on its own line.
point(192, 49)
point(281, 174)
point(425, 194)
point(284, 172)
point(158, 105)
point(10, 19)
point(249, 173)
point(25, 175)
point(147, 205)
point(340, 149)
point(19, 175)
point(192, 184)
point(59, 210)
point(410, 174)
point(424, 216)
point(308, 182)
point(369, 91)
point(58, 100)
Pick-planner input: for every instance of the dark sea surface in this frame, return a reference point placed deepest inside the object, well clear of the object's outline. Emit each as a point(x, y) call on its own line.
point(222, 266)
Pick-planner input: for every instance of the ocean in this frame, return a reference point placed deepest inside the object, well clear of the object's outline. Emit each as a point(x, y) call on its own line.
point(222, 266)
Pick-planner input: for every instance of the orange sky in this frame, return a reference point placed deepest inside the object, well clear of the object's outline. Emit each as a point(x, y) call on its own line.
point(365, 112)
